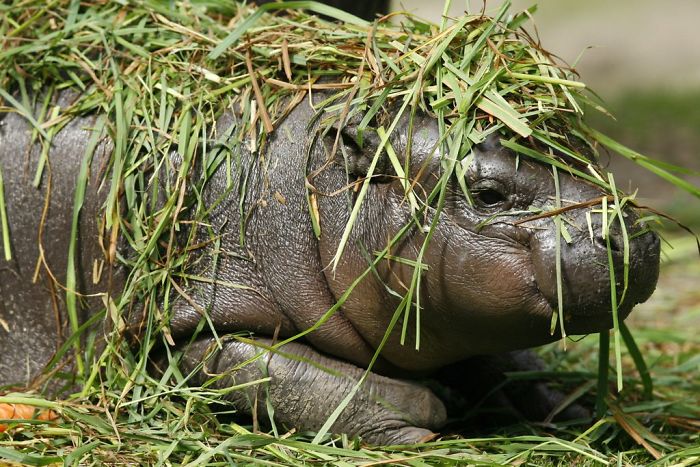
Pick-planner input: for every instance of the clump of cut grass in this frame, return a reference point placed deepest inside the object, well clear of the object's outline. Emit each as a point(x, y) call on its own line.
point(161, 73)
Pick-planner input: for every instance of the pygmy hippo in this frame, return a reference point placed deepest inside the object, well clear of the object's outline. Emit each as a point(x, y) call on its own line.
point(489, 282)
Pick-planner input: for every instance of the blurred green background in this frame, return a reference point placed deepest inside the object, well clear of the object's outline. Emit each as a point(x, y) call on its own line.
point(642, 57)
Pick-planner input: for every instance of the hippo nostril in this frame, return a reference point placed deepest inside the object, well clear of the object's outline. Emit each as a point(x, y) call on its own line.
point(616, 243)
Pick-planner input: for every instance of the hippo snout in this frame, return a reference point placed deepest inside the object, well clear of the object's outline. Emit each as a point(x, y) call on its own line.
point(585, 271)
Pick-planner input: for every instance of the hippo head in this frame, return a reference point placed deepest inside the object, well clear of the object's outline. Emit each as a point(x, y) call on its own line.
point(490, 278)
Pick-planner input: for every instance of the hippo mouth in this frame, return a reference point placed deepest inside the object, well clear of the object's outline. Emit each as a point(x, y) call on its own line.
point(585, 278)
point(597, 318)
point(591, 322)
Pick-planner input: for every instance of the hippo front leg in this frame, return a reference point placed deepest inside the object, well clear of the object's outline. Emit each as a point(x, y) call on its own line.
point(304, 394)
point(482, 381)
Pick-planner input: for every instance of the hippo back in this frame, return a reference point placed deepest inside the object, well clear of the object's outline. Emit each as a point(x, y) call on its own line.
point(33, 321)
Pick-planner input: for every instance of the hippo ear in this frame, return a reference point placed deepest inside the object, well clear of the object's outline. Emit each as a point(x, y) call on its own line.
point(492, 142)
point(354, 150)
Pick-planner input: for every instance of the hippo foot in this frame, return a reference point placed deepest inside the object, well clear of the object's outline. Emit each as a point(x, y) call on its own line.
point(479, 388)
point(305, 387)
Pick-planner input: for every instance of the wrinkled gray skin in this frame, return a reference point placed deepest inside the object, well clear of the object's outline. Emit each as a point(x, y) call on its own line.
point(488, 290)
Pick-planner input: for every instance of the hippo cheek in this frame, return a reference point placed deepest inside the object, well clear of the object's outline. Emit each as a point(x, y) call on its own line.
point(586, 279)
point(484, 291)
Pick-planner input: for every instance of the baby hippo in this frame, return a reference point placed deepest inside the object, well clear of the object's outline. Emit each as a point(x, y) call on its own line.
point(488, 272)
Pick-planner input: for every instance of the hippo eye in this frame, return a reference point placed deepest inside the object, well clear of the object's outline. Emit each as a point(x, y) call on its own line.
point(490, 197)
point(489, 194)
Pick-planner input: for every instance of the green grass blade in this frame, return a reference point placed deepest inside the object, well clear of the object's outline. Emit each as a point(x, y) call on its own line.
point(365, 186)
point(505, 115)
point(78, 200)
point(24, 112)
point(557, 253)
point(638, 358)
point(251, 20)
point(645, 162)
point(3, 221)
point(603, 369)
point(12, 455)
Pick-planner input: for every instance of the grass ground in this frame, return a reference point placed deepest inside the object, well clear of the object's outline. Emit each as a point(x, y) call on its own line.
point(662, 431)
